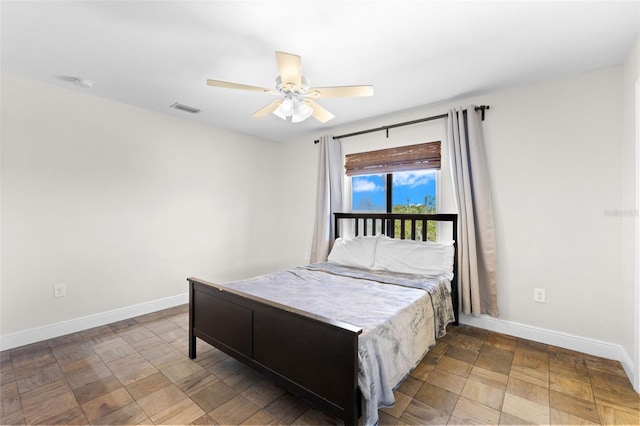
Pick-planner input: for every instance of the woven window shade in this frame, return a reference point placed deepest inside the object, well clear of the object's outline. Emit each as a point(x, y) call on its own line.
point(412, 157)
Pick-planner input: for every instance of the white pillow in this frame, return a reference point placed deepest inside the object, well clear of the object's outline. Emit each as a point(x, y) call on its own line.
point(358, 252)
point(415, 257)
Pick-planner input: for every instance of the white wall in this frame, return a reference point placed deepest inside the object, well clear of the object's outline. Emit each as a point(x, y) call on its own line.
point(629, 218)
point(122, 204)
point(555, 154)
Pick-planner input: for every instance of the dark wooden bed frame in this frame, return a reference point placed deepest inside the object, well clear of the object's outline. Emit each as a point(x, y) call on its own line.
point(312, 356)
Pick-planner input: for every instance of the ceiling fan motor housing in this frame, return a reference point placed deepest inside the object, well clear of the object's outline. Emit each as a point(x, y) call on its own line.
point(285, 88)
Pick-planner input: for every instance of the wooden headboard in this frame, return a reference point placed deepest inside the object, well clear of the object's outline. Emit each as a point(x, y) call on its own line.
point(412, 226)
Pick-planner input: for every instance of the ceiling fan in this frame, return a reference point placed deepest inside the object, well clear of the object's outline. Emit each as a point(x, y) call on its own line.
point(297, 97)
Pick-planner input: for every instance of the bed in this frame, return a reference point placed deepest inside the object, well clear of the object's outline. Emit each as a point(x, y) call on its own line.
point(297, 326)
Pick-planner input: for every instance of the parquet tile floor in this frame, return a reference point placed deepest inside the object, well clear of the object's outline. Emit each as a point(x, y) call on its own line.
point(137, 372)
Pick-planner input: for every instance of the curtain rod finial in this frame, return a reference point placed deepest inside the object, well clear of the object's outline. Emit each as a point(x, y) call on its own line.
point(482, 109)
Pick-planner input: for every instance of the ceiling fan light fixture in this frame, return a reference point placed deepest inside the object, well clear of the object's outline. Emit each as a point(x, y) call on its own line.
point(285, 108)
point(295, 108)
point(279, 113)
point(301, 111)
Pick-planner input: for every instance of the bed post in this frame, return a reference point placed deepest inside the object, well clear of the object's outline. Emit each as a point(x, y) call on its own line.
point(192, 337)
point(455, 298)
point(352, 407)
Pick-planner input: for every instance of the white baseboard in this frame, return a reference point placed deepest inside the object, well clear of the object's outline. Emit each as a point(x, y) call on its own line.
point(556, 338)
point(79, 324)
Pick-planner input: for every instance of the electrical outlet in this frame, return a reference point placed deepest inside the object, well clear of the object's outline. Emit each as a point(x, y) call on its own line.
point(539, 295)
point(59, 290)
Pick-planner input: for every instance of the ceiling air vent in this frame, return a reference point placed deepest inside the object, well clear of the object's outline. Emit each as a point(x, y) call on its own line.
point(185, 108)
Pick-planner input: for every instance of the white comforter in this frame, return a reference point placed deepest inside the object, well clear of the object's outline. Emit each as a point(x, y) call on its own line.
point(400, 315)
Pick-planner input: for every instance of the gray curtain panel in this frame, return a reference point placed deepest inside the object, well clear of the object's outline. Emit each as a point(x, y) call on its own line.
point(477, 270)
point(329, 196)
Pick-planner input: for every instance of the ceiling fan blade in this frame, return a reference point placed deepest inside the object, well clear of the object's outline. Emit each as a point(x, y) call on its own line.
point(340, 91)
point(319, 113)
point(264, 111)
point(290, 69)
point(228, 85)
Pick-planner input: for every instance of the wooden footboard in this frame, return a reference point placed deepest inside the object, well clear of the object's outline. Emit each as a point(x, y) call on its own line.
point(311, 356)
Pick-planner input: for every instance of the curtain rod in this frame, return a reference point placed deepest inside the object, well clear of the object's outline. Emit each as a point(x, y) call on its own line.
point(481, 108)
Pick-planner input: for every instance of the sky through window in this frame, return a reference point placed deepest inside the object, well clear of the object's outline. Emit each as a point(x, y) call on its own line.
point(369, 191)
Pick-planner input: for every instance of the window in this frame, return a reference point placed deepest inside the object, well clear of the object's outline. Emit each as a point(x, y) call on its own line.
point(409, 192)
point(408, 184)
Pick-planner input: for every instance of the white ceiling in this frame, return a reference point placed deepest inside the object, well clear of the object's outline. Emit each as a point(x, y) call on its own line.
point(414, 53)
